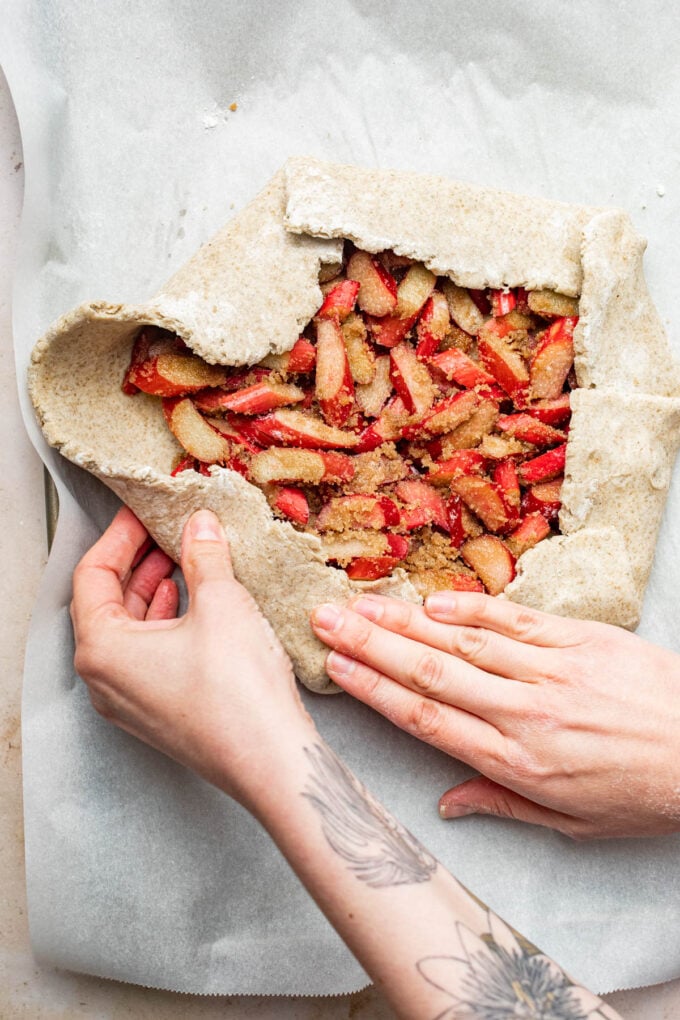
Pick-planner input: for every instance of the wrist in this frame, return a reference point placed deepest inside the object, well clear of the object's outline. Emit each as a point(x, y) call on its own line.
point(270, 773)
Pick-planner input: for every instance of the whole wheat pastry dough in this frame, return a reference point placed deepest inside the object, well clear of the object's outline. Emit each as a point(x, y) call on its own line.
point(626, 417)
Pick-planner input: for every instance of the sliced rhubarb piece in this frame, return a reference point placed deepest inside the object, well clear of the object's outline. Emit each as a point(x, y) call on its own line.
point(393, 260)
point(462, 462)
point(414, 290)
point(550, 303)
point(545, 467)
point(359, 353)
point(482, 497)
point(193, 432)
point(339, 301)
point(232, 428)
point(292, 503)
point(338, 467)
point(491, 560)
point(465, 582)
point(334, 385)
point(472, 431)
point(528, 429)
point(389, 330)
point(186, 464)
point(411, 379)
point(552, 360)
point(454, 511)
point(282, 464)
point(433, 325)
point(388, 427)
point(544, 498)
point(297, 428)
point(532, 530)
point(162, 367)
point(372, 397)
point(506, 480)
point(399, 545)
point(343, 513)
point(257, 399)
point(342, 547)
point(239, 378)
point(456, 365)
point(552, 412)
point(513, 321)
point(427, 582)
point(301, 357)
point(445, 416)
point(191, 464)
point(505, 364)
point(140, 354)
point(420, 496)
point(412, 293)
point(371, 568)
point(481, 299)
point(299, 360)
point(463, 308)
point(522, 298)
point(378, 288)
point(502, 302)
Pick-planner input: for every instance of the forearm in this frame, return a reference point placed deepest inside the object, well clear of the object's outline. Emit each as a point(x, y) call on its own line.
point(414, 927)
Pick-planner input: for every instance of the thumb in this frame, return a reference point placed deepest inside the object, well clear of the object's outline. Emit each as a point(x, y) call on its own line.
point(205, 553)
point(481, 796)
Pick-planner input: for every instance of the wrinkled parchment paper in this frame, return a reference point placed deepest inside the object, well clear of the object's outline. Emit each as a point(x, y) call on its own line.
point(137, 870)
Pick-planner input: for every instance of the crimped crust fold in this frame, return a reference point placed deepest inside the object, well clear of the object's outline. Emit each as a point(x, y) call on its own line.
point(254, 286)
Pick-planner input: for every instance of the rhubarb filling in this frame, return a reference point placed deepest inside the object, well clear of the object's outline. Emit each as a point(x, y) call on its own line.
point(414, 424)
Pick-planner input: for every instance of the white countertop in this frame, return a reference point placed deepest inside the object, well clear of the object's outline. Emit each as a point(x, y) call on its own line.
point(29, 991)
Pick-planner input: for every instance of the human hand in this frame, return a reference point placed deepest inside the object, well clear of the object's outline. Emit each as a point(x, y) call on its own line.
point(213, 689)
point(573, 725)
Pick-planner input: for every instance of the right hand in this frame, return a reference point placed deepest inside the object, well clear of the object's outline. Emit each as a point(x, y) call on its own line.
point(574, 725)
point(213, 689)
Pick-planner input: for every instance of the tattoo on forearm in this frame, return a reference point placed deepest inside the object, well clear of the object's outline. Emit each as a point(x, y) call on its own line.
point(497, 977)
point(377, 848)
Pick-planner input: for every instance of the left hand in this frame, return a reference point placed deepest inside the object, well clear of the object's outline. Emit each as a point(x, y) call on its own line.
point(212, 689)
point(574, 725)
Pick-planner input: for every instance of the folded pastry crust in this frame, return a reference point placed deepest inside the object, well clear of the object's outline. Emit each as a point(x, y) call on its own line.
point(625, 427)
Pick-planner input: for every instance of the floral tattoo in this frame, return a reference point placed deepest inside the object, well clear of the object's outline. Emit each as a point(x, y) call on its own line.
point(495, 977)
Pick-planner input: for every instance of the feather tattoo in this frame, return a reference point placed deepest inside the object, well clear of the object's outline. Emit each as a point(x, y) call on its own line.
point(376, 847)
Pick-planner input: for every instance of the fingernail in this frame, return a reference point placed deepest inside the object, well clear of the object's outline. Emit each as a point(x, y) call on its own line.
point(455, 810)
point(340, 665)
point(328, 617)
point(368, 607)
point(204, 526)
point(442, 603)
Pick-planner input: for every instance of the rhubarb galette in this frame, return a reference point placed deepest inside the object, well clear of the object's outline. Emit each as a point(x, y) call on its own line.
point(388, 380)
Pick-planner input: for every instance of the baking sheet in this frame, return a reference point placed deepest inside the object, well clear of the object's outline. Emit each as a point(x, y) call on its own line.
point(136, 869)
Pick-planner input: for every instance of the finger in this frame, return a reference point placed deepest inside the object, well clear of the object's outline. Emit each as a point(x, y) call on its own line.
point(205, 558)
point(481, 796)
point(504, 617)
point(165, 602)
point(483, 648)
point(98, 578)
point(146, 547)
point(465, 736)
point(422, 669)
point(144, 581)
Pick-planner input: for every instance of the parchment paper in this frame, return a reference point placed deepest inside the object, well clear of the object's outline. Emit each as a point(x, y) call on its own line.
point(136, 869)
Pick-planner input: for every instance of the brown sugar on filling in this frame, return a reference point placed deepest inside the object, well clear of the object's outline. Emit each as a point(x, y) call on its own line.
point(414, 423)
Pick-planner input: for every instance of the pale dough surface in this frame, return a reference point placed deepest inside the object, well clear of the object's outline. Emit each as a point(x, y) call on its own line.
point(625, 429)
